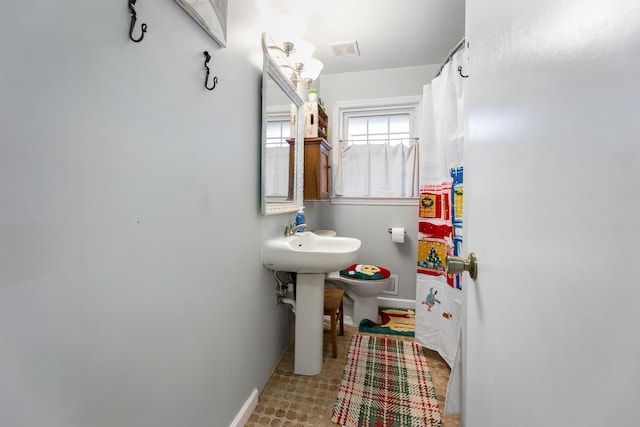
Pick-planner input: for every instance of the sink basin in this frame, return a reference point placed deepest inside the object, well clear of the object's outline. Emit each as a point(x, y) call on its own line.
point(308, 252)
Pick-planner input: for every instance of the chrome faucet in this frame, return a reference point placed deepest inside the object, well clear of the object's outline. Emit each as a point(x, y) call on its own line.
point(291, 229)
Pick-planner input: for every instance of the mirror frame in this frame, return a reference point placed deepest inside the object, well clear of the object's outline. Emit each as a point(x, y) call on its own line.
point(271, 70)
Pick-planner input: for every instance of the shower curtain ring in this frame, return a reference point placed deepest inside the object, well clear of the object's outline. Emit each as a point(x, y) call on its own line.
point(460, 71)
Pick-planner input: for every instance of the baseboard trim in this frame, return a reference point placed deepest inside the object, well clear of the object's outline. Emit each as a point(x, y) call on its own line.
point(247, 409)
point(407, 304)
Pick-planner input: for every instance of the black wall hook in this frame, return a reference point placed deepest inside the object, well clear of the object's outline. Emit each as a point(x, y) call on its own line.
point(206, 79)
point(143, 27)
point(460, 71)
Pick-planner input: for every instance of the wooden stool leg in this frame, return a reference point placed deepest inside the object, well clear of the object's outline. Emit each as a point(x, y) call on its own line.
point(341, 319)
point(334, 339)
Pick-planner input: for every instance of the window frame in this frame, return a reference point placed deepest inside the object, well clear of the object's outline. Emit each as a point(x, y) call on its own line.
point(284, 123)
point(382, 106)
point(280, 114)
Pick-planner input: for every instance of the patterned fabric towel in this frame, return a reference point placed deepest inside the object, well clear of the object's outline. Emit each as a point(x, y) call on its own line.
point(386, 383)
point(393, 321)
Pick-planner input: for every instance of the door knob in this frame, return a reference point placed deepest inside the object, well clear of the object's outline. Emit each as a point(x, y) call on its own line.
point(456, 265)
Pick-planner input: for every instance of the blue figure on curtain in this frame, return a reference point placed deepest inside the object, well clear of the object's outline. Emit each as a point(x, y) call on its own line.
point(457, 199)
point(431, 299)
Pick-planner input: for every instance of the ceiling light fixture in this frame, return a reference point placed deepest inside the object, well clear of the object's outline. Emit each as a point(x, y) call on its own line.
point(286, 31)
point(294, 59)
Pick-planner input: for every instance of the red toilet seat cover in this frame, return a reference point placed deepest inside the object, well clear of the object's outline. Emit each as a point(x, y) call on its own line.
point(365, 272)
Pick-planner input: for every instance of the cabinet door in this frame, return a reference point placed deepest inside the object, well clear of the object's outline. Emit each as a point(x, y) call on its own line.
point(324, 174)
point(316, 168)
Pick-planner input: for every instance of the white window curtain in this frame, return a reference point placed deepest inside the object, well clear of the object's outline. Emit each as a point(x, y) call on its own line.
point(377, 170)
point(277, 173)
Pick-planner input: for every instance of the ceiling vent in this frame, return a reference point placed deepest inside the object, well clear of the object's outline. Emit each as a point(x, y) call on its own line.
point(345, 49)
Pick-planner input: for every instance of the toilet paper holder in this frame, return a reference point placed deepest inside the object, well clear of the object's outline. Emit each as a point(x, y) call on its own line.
point(389, 231)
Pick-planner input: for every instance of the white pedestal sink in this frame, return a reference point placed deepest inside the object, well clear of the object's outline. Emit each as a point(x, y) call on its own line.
point(311, 257)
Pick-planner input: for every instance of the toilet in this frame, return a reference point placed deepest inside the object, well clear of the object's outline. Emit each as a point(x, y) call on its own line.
point(362, 283)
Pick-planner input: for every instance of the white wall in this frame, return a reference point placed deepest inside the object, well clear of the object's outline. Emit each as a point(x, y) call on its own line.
point(370, 223)
point(131, 287)
point(386, 83)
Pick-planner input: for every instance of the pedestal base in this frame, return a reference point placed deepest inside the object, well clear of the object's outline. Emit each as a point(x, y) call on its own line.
point(309, 324)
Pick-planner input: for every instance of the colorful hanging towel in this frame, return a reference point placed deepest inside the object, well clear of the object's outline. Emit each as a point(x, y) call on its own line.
point(365, 272)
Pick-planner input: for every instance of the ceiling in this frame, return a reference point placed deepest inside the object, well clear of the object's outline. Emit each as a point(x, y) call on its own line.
point(389, 33)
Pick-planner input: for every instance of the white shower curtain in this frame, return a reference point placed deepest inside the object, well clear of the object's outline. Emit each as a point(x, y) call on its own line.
point(439, 296)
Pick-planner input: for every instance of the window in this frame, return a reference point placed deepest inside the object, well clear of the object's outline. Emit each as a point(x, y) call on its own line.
point(377, 152)
point(393, 129)
point(278, 131)
point(277, 155)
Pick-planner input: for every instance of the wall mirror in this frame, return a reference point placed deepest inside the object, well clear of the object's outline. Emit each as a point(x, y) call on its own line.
point(211, 15)
point(282, 140)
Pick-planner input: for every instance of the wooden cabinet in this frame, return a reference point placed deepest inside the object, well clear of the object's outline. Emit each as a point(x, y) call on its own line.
point(316, 168)
point(316, 153)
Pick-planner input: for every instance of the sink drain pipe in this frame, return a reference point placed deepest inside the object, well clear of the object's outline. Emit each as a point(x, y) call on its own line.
point(290, 301)
point(282, 290)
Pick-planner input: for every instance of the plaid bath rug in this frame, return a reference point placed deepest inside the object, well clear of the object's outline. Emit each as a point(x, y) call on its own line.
point(386, 383)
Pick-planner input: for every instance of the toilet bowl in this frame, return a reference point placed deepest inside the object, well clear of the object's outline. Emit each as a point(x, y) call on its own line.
point(363, 291)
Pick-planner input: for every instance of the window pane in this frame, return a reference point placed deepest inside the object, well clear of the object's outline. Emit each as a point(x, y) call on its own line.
point(274, 130)
point(356, 126)
point(379, 124)
point(399, 123)
point(277, 132)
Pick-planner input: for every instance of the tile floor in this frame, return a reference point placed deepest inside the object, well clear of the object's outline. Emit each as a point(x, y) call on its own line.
point(298, 400)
